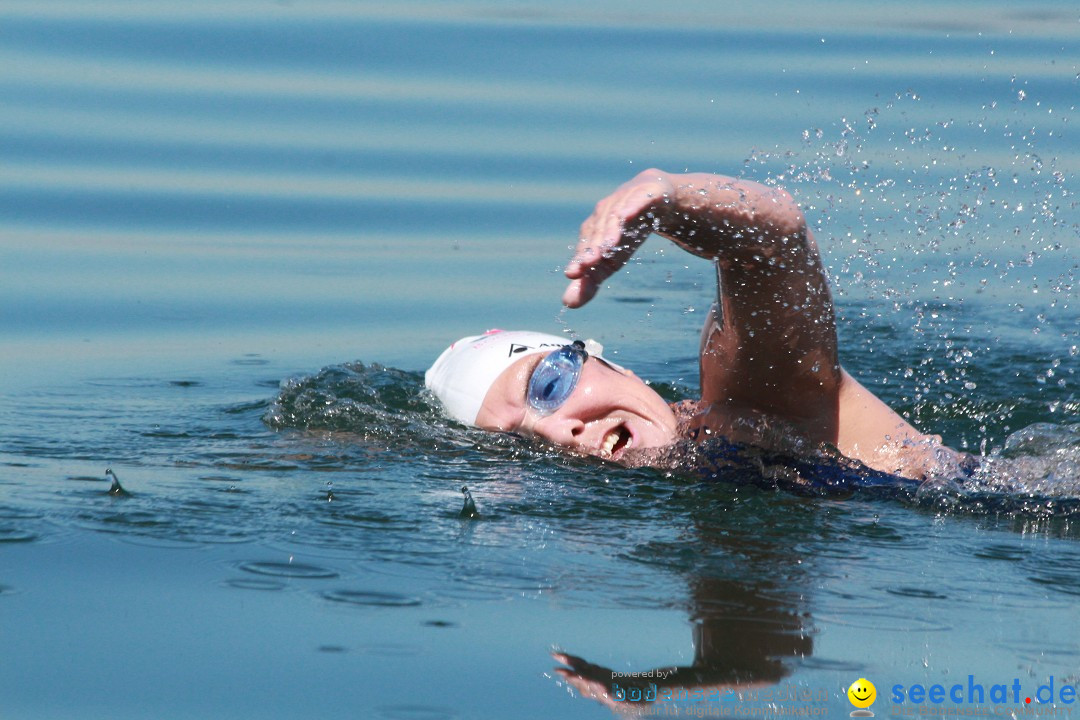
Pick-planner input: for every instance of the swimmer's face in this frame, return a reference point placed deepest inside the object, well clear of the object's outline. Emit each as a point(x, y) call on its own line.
point(610, 411)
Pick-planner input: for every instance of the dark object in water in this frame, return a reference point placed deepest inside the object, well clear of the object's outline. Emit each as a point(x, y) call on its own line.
point(469, 510)
point(116, 489)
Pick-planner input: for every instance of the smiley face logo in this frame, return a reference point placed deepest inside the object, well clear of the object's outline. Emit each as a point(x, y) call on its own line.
point(862, 694)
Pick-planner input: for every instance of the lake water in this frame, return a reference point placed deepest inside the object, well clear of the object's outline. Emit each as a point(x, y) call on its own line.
point(206, 204)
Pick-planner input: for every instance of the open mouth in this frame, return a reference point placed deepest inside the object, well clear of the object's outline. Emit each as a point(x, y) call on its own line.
point(616, 441)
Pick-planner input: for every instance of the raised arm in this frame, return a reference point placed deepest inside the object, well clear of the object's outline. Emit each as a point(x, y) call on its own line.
point(769, 348)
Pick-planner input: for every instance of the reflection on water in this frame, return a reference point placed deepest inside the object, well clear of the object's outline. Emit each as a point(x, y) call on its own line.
point(746, 634)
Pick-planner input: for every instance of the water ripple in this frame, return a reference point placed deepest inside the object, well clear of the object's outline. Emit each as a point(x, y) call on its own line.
point(296, 570)
point(914, 592)
point(884, 622)
point(255, 584)
point(414, 712)
point(371, 598)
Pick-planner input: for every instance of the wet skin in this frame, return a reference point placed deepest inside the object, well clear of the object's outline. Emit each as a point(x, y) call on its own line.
point(610, 412)
point(769, 359)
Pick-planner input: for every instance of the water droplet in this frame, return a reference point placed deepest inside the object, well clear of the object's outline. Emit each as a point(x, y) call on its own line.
point(468, 509)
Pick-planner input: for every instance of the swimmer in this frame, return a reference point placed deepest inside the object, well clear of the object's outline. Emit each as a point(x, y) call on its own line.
point(768, 356)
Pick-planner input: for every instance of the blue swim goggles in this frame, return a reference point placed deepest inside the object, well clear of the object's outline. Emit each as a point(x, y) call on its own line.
point(555, 377)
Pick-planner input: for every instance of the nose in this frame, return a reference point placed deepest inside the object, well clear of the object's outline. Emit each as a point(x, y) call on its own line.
point(561, 429)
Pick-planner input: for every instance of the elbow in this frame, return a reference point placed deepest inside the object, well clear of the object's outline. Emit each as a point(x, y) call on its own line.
point(784, 216)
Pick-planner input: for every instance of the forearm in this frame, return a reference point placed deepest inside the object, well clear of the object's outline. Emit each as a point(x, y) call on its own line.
point(775, 301)
point(770, 353)
point(714, 216)
point(752, 229)
point(768, 259)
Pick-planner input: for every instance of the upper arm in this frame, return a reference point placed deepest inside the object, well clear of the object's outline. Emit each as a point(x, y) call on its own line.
point(873, 433)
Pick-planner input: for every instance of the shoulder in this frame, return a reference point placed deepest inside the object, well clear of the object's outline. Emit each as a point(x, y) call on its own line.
point(685, 410)
point(690, 416)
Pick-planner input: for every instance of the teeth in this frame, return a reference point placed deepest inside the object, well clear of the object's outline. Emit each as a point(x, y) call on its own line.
point(610, 440)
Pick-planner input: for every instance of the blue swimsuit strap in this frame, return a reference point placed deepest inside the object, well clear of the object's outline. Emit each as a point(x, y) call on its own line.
point(821, 475)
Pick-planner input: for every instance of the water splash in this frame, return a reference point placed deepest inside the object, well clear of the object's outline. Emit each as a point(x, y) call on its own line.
point(1036, 470)
point(372, 402)
point(468, 509)
point(115, 488)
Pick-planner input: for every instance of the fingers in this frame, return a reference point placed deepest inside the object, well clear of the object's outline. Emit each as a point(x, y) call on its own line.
point(600, 236)
point(579, 292)
point(611, 234)
point(590, 245)
point(575, 662)
point(592, 266)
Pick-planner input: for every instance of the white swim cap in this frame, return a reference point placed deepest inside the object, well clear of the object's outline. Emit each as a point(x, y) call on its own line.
point(466, 370)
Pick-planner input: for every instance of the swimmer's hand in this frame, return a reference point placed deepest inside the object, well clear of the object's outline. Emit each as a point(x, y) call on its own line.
point(594, 682)
point(758, 234)
point(615, 229)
